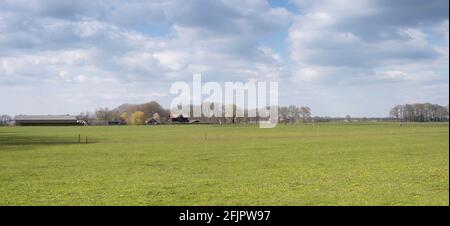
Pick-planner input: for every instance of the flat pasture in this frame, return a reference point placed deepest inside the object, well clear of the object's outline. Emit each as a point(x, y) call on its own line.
point(324, 164)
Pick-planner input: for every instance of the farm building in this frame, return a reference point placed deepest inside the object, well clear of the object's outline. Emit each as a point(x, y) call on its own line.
point(179, 118)
point(45, 120)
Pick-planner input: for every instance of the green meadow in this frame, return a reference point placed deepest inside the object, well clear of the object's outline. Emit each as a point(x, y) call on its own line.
point(324, 164)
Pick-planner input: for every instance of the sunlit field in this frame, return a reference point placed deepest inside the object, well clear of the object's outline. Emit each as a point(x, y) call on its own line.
point(322, 164)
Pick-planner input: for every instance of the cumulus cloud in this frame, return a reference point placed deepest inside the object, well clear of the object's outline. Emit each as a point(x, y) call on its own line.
point(97, 52)
point(394, 44)
point(112, 45)
point(338, 36)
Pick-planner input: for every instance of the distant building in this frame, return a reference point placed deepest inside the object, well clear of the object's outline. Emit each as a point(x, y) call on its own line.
point(46, 120)
point(115, 122)
point(174, 118)
point(152, 121)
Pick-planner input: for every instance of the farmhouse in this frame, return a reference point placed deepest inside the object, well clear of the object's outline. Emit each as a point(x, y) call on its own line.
point(45, 120)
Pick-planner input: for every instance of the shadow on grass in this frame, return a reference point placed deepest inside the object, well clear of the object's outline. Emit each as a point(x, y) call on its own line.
point(17, 141)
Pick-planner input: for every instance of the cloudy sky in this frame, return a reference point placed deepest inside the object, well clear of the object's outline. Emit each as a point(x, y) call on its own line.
point(337, 56)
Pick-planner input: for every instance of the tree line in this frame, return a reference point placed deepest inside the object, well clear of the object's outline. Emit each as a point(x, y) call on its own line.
point(420, 112)
point(132, 114)
point(293, 114)
point(138, 114)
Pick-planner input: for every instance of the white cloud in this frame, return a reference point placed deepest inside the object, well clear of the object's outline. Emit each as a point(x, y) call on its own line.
point(112, 52)
point(378, 52)
point(96, 49)
point(333, 41)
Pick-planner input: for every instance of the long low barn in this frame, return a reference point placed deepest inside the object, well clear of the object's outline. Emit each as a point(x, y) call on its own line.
point(44, 120)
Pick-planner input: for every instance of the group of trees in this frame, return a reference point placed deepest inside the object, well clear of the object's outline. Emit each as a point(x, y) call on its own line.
point(138, 118)
point(4, 120)
point(133, 114)
point(289, 114)
point(292, 114)
point(425, 112)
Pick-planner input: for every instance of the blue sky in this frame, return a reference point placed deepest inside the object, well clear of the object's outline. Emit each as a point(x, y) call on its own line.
point(338, 57)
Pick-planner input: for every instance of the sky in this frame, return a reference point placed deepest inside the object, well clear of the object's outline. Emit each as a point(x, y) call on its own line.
point(338, 57)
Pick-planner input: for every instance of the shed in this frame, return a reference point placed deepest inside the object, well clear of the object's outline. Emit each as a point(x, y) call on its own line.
point(45, 120)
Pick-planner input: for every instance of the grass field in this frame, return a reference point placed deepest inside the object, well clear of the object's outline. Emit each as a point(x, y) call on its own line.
point(325, 164)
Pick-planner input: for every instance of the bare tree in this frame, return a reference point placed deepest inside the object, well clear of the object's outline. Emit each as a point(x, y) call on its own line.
point(293, 113)
point(283, 114)
point(5, 119)
point(103, 115)
point(305, 112)
point(348, 118)
point(420, 113)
